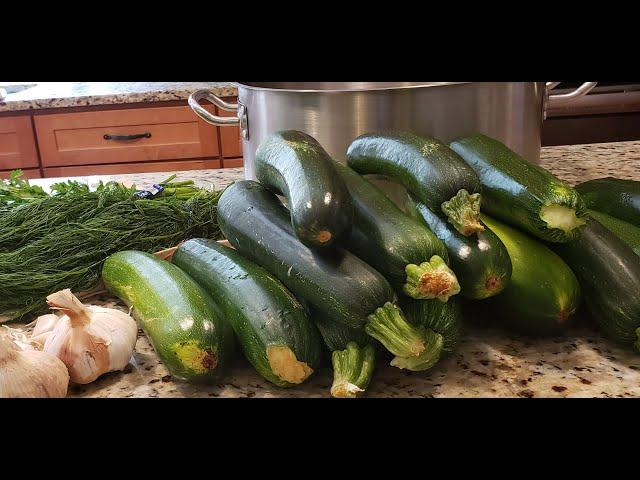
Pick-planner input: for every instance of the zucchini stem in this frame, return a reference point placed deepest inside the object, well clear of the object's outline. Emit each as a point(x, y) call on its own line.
point(388, 325)
point(427, 359)
point(432, 279)
point(463, 212)
point(352, 370)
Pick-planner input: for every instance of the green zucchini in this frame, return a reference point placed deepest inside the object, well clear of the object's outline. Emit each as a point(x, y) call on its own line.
point(481, 261)
point(443, 318)
point(185, 326)
point(543, 294)
point(613, 196)
point(336, 335)
point(295, 164)
point(609, 273)
point(629, 234)
point(404, 250)
point(332, 280)
point(272, 327)
point(522, 194)
point(428, 169)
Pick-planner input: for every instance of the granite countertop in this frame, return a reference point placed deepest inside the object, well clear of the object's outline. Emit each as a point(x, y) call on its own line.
point(488, 362)
point(82, 94)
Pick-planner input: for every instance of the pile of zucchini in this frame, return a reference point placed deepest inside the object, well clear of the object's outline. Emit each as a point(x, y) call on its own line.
point(338, 272)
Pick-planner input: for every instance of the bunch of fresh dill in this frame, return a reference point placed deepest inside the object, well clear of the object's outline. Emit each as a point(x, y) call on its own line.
point(70, 202)
point(62, 241)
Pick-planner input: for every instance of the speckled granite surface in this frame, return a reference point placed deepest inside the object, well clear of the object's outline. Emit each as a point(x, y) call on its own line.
point(488, 363)
point(579, 163)
point(82, 94)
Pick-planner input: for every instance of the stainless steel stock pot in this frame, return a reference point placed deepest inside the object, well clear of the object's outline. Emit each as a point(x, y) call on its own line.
point(337, 112)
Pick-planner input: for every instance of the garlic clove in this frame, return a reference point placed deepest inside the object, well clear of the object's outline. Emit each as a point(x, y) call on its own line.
point(30, 373)
point(44, 324)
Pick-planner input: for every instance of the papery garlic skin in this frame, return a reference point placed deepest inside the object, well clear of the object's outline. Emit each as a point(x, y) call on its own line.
point(20, 338)
point(90, 340)
point(30, 373)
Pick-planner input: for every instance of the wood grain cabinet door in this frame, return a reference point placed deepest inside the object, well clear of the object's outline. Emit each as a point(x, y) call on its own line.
point(17, 143)
point(124, 136)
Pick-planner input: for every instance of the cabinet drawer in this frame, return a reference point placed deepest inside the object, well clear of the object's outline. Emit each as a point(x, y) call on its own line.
point(232, 162)
point(87, 138)
point(230, 139)
point(122, 168)
point(17, 143)
point(27, 173)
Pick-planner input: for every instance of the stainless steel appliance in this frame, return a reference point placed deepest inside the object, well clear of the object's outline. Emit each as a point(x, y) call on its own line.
point(606, 98)
point(337, 112)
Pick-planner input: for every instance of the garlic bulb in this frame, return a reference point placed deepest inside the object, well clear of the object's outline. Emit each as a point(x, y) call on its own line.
point(30, 373)
point(90, 340)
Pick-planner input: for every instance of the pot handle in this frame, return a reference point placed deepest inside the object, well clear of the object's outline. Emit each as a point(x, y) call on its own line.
point(561, 100)
point(208, 117)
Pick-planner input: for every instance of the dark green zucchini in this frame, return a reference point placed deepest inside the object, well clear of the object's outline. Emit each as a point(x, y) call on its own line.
point(443, 318)
point(543, 294)
point(276, 335)
point(295, 164)
point(404, 250)
point(336, 335)
point(629, 234)
point(609, 273)
point(522, 194)
point(186, 327)
point(427, 168)
point(481, 261)
point(613, 196)
point(332, 280)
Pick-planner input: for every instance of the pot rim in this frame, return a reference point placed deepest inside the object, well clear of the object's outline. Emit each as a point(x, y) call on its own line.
point(358, 87)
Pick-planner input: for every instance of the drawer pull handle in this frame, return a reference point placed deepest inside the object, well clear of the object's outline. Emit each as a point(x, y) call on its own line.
point(121, 138)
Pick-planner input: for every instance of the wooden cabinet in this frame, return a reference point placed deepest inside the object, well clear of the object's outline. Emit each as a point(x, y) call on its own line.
point(141, 167)
point(116, 139)
point(124, 136)
point(17, 143)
